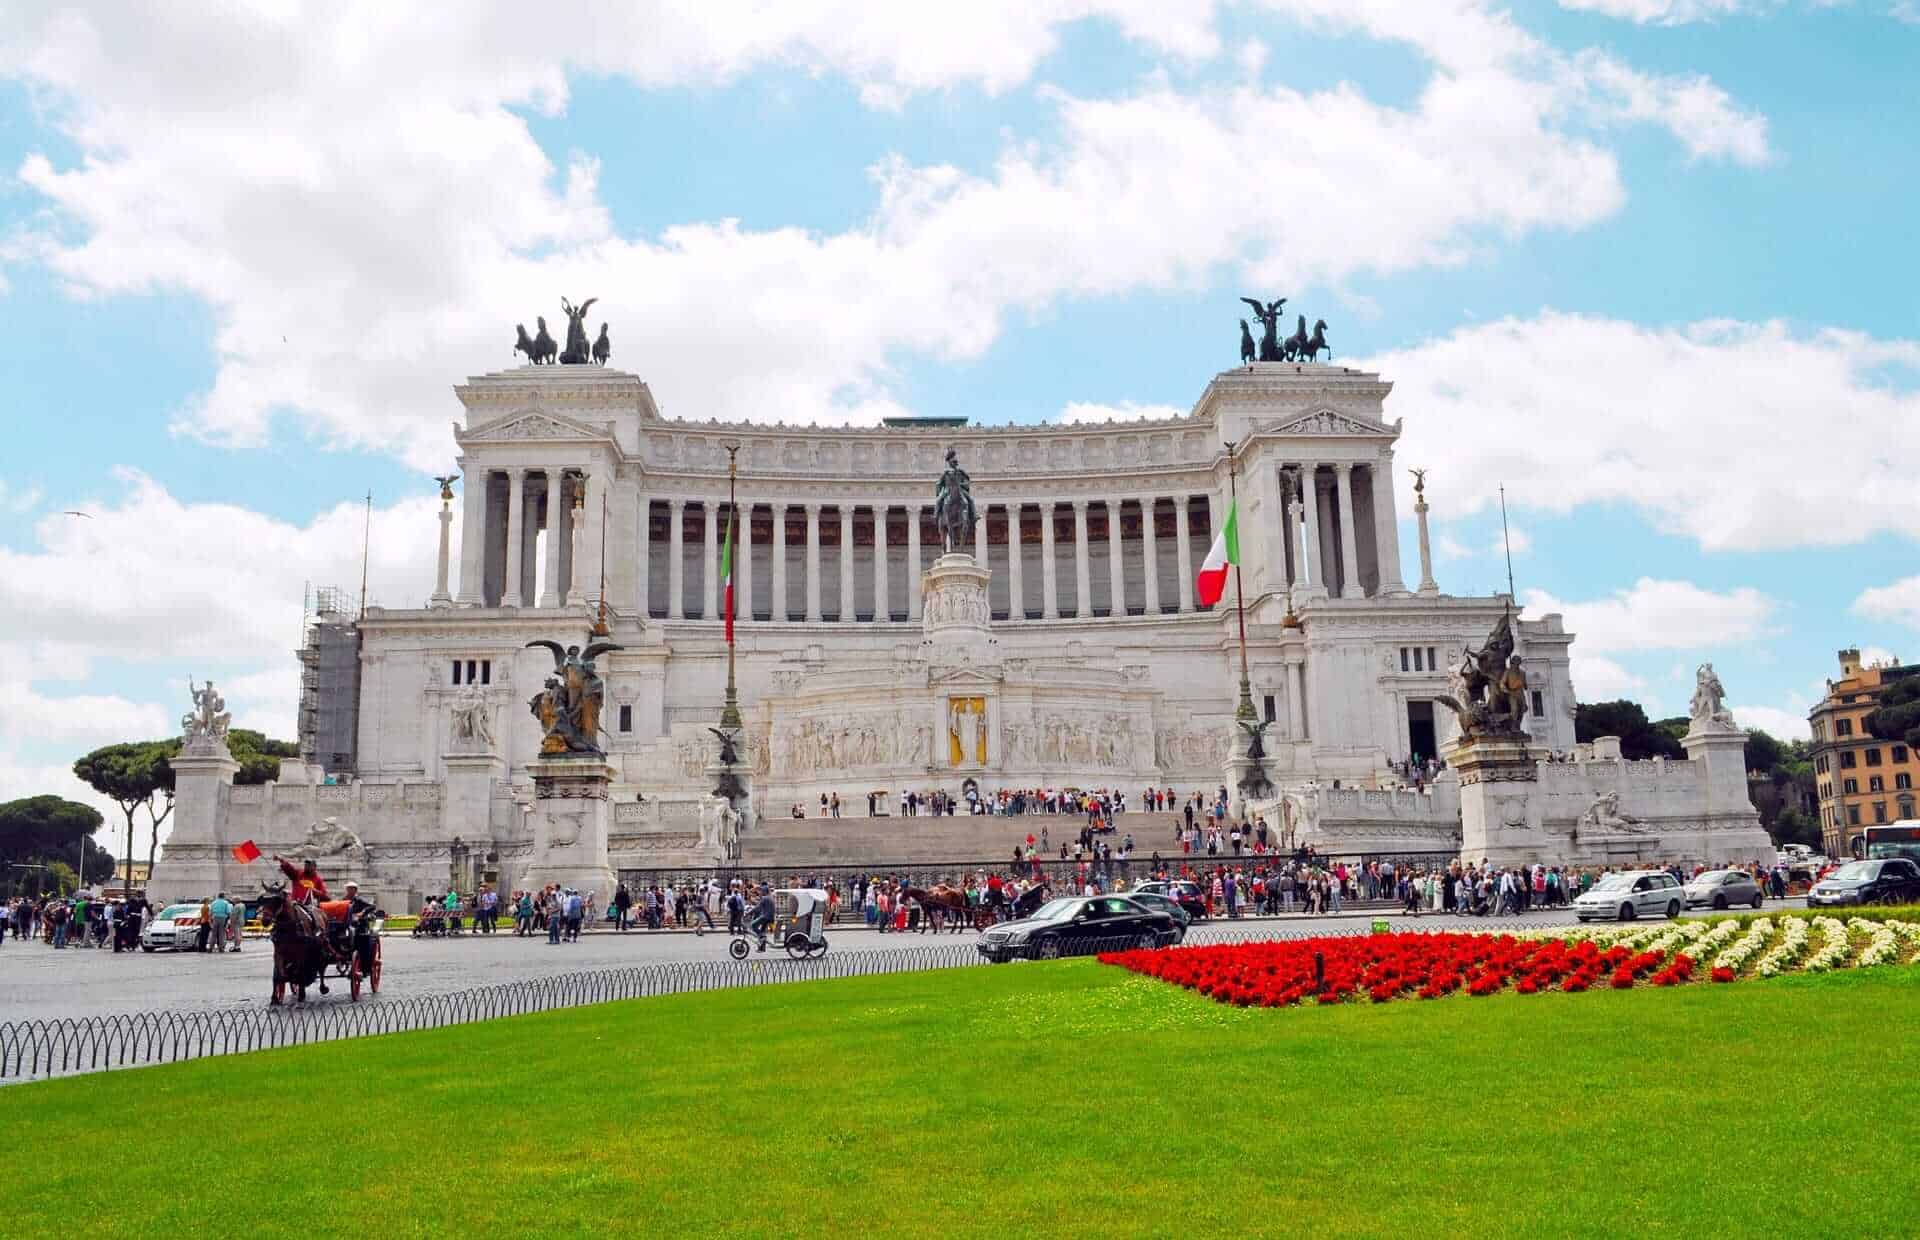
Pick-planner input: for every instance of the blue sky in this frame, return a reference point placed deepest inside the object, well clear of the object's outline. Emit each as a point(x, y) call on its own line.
point(1650, 269)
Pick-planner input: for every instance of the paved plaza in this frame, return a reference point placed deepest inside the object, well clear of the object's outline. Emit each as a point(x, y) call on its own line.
point(37, 982)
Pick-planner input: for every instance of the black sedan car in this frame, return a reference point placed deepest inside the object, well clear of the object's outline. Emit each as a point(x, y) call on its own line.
point(1077, 925)
point(1187, 895)
point(1156, 902)
point(1890, 880)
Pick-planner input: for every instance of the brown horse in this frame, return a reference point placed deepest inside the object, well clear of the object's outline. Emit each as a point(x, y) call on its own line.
point(299, 934)
point(940, 905)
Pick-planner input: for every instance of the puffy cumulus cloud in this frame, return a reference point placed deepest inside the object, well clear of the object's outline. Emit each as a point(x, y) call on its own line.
point(354, 190)
point(1785, 725)
point(1898, 602)
point(1702, 116)
point(1079, 411)
point(172, 589)
point(1661, 615)
point(1719, 431)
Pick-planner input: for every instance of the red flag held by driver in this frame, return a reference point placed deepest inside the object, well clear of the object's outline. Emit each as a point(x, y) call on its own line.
point(245, 852)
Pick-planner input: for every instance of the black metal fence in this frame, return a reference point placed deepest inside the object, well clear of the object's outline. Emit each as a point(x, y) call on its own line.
point(39, 1048)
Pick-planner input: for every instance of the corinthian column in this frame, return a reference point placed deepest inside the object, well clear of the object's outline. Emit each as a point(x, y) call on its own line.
point(743, 566)
point(1183, 532)
point(440, 596)
point(779, 609)
point(1116, 563)
point(514, 565)
point(710, 557)
point(882, 611)
point(1082, 565)
point(1349, 554)
point(556, 501)
point(1016, 603)
point(846, 564)
point(473, 536)
point(913, 561)
point(1049, 569)
point(676, 559)
point(1428, 585)
point(1150, 552)
point(813, 562)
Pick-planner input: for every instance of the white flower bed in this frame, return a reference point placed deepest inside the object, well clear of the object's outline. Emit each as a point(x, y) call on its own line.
point(1793, 945)
point(1883, 943)
point(1836, 946)
point(1736, 955)
point(1713, 937)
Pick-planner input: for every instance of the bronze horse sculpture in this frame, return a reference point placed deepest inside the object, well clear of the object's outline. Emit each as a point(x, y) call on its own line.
point(540, 350)
point(299, 935)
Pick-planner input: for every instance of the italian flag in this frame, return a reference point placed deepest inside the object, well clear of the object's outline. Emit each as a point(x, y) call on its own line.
point(726, 578)
point(1224, 553)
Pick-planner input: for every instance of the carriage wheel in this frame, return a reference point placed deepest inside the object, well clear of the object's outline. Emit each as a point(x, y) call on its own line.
point(818, 949)
point(797, 946)
point(353, 977)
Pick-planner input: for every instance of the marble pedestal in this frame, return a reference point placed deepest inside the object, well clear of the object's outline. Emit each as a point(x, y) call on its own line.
point(1500, 817)
point(467, 800)
point(569, 820)
point(195, 862)
point(954, 613)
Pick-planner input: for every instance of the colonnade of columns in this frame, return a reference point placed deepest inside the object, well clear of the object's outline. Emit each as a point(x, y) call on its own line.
point(878, 544)
point(1334, 545)
point(505, 513)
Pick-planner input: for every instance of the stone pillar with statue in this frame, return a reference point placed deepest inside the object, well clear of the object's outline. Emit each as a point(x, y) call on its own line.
point(1500, 815)
point(195, 859)
point(571, 776)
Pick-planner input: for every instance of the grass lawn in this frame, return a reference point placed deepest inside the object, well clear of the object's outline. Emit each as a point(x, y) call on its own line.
point(1057, 1098)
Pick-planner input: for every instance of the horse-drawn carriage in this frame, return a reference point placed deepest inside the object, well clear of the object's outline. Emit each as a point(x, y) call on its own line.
point(310, 941)
point(943, 905)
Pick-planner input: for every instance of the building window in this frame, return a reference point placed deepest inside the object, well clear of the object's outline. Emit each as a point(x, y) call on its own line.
point(1850, 786)
point(1873, 756)
point(1899, 753)
point(626, 718)
point(1906, 807)
point(1853, 815)
point(1405, 666)
point(1820, 764)
point(1879, 811)
point(457, 665)
point(1272, 714)
point(1875, 785)
point(1843, 727)
point(1903, 780)
point(473, 672)
point(1847, 760)
point(1539, 704)
point(1431, 661)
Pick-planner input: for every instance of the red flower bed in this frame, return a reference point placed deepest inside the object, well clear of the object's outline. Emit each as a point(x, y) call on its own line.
point(1383, 967)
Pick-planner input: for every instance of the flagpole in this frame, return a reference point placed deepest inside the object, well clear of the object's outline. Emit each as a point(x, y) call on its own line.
point(730, 713)
point(600, 622)
point(1245, 709)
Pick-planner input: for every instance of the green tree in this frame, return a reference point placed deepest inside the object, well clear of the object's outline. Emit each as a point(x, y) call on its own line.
point(1764, 753)
point(1639, 739)
point(133, 774)
point(1897, 716)
point(44, 830)
point(258, 755)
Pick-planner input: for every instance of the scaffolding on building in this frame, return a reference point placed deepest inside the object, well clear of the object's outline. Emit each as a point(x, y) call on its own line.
point(329, 679)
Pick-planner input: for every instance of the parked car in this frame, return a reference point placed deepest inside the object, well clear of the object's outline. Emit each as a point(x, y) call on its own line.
point(177, 928)
point(1632, 894)
point(1074, 924)
point(1890, 880)
point(1187, 895)
point(1723, 888)
point(1159, 902)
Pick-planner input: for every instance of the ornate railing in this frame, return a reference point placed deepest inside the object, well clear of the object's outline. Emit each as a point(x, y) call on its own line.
point(39, 1048)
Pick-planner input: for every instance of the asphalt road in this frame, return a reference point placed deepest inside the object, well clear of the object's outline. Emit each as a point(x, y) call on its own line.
point(38, 982)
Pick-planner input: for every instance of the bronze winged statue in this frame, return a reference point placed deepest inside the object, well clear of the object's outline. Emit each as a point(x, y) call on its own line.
point(1269, 316)
point(569, 707)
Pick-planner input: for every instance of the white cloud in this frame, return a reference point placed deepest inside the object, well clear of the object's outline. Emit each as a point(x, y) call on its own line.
point(1599, 679)
point(1447, 547)
point(1878, 656)
point(1660, 615)
point(1663, 12)
point(1701, 115)
point(392, 146)
point(180, 590)
point(1078, 411)
point(1720, 431)
point(1899, 602)
point(1784, 725)
point(18, 500)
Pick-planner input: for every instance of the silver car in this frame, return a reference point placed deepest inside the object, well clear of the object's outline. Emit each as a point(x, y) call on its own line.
point(1723, 889)
point(1635, 893)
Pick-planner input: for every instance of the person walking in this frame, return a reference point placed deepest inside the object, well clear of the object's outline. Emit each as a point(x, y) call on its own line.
point(622, 904)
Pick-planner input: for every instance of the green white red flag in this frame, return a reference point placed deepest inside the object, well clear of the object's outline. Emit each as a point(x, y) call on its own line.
point(1224, 554)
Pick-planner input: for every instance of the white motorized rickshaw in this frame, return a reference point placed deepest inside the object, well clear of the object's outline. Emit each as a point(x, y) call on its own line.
point(799, 924)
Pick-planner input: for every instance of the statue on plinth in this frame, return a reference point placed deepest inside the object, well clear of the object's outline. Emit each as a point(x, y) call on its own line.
point(1489, 687)
point(1709, 712)
point(569, 706)
point(953, 509)
point(472, 729)
point(205, 726)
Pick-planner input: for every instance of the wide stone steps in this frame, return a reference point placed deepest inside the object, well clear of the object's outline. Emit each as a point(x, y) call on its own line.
point(929, 837)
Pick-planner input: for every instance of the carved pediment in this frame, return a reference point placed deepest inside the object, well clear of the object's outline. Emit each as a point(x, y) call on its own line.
point(965, 677)
point(533, 425)
point(1326, 422)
